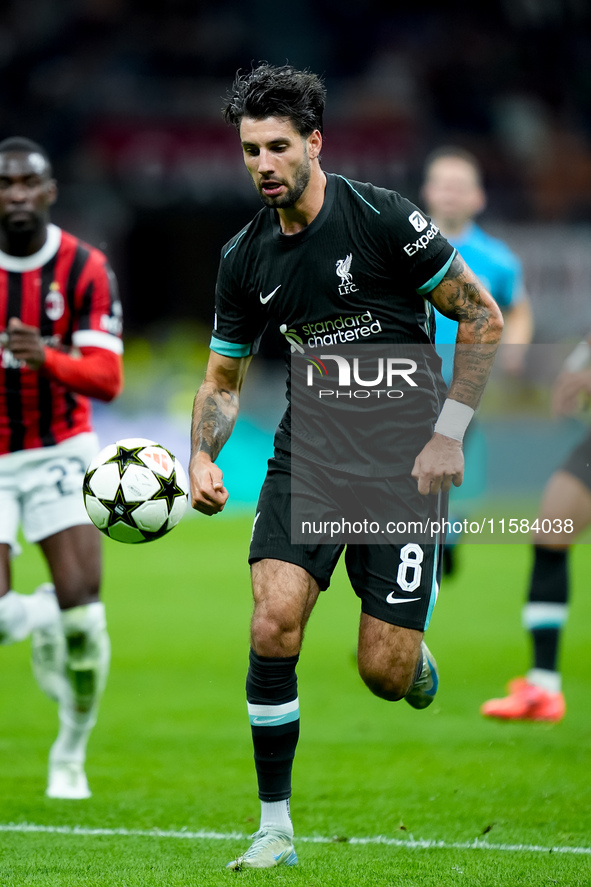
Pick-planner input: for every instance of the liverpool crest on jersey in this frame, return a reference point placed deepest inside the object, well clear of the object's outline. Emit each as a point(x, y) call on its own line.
point(343, 270)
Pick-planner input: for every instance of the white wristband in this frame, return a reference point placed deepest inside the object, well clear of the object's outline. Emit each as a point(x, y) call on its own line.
point(453, 419)
point(579, 358)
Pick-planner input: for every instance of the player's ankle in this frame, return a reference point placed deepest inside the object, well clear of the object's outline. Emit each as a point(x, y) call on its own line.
point(276, 814)
point(550, 681)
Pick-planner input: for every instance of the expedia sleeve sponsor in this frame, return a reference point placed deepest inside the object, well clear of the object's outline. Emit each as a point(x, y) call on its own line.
point(421, 250)
point(422, 242)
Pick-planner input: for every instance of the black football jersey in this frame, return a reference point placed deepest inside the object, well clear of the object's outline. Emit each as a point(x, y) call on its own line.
point(355, 277)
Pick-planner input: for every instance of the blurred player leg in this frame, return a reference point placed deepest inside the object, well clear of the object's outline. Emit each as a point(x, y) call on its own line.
point(538, 696)
point(74, 559)
point(545, 614)
point(20, 614)
point(23, 614)
point(48, 650)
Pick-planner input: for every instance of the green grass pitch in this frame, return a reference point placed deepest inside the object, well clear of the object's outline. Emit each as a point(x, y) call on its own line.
point(172, 751)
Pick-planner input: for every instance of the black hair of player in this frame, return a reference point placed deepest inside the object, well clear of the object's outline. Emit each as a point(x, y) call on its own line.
point(271, 91)
point(457, 152)
point(22, 145)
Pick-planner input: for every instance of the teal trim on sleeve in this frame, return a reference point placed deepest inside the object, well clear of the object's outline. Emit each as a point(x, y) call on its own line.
point(230, 349)
point(242, 233)
point(437, 278)
point(354, 190)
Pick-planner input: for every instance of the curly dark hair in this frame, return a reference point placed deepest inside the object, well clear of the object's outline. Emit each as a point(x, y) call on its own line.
point(270, 91)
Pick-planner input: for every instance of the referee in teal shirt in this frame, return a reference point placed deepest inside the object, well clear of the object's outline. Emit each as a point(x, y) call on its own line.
point(454, 195)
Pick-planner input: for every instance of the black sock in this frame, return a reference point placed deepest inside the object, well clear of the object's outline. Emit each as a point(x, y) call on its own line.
point(545, 647)
point(549, 578)
point(272, 684)
point(546, 610)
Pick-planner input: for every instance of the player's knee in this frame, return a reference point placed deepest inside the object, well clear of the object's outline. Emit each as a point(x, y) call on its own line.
point(389, 683)
point(275, 633)
point(388, 676)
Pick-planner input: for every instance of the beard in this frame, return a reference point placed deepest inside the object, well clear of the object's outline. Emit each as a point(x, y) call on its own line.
point(293, 193)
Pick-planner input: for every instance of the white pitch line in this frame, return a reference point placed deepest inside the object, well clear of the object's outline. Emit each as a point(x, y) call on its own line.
point(206, 835)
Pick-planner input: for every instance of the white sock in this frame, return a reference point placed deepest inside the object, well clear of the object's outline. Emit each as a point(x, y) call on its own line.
point(20, 614)
point(276, 814)
point(87, 667)
point(71, 741)
point(546, 679)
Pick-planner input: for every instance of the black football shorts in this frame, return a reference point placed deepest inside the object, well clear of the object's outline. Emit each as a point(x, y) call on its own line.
point(396, 582)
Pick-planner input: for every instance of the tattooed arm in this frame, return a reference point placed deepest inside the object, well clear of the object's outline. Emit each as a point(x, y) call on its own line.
point(461, 296)
point(214, 413)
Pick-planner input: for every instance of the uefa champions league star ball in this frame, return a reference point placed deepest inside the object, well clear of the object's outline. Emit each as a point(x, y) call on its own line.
point(135, 490)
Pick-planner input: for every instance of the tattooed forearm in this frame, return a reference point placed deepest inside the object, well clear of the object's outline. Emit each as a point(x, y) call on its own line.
point(214, 415)
point(472, 366)
point(461, 296)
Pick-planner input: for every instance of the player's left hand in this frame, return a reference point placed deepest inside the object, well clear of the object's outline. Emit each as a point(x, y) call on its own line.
point(513, 359)
point(439, 464)
point(25, 343)
point(571, 391)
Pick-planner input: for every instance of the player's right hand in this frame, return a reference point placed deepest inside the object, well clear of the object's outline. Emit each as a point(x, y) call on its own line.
point(208, 493)
point(25, 343)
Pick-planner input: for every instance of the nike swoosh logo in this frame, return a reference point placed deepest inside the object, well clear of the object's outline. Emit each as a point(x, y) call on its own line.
point(270, 296)
point(400, 600)
point(265, 721)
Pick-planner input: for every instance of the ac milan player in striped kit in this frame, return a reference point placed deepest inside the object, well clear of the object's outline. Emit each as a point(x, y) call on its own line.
point(60, 343)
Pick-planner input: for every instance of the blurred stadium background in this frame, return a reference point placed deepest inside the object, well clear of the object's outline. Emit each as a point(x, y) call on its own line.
point(126, 97)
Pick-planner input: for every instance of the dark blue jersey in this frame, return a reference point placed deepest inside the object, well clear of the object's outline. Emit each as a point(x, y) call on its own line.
point(357, 276)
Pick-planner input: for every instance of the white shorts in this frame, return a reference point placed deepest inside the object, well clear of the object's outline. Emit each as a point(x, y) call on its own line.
point(41, 489)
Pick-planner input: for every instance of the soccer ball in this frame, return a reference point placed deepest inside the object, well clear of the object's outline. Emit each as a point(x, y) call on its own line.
point(135, 490)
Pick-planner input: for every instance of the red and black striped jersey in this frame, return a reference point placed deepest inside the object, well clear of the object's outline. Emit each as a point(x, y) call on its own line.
point(68, 291)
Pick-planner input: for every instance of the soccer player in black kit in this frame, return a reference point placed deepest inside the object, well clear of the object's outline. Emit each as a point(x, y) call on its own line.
point(355, 263)
point(538, 695)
